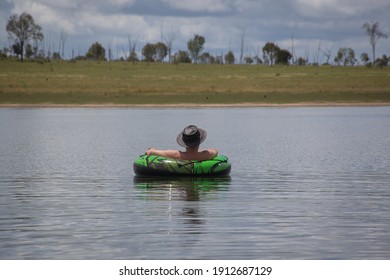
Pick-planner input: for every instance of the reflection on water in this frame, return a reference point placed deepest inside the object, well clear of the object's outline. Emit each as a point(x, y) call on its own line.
point(182, 188)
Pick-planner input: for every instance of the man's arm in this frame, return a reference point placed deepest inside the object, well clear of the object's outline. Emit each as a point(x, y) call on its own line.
point(164, 153)
point(210, 153)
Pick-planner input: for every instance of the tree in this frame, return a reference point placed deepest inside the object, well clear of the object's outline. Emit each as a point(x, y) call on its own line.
point(229, 58)
point(16, 49)
point(206, 58)
point(283, 57)
point(381, 62)
point(133, 56)
point(29, 51)
point(257, 59)
point(169, 39)
point(242, 37)
point(301, 61)
point(96, 52)
point(22, 29)
point(132, 53)
point(364, 58)
point(195, 46)
point(182, 57)
point(161, 51)
point(248, 60)
point(63, 37)
point(149, 52)
point(269, 51)
point(4, 53)
point(327, 53)
point(374, 33)
point(346, 56)
point(56, 56)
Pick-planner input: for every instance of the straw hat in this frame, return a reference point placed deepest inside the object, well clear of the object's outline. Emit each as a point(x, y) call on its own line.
point(191, 136)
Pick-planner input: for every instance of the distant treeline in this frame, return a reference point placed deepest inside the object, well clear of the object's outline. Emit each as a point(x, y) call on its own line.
point(26, 36)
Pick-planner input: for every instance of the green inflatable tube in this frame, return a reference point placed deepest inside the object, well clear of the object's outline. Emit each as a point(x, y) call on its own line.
point(161, 166)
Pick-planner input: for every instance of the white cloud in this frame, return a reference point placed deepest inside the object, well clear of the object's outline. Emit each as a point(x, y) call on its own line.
point(213, 6)
point(121, 2)
point(339, 8)
point(45, 15)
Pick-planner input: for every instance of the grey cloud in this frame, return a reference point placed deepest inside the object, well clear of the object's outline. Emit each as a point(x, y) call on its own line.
point(161, 8)
point(6, 6)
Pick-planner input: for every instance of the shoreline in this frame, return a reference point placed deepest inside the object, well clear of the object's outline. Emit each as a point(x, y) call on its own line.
point(194, 105)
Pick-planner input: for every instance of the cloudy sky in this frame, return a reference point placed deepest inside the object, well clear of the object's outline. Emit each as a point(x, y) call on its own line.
point(308, 25)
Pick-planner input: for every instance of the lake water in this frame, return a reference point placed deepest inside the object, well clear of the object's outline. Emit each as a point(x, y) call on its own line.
point(306, 183)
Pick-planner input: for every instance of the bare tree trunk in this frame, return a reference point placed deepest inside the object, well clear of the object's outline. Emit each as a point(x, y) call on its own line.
point(21, 50)
point(242, 37)
point(292, 49)
point(169, 38)
point(62, 43)
point(132, 47)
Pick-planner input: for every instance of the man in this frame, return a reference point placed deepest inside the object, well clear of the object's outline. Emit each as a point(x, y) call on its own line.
point(190, 138)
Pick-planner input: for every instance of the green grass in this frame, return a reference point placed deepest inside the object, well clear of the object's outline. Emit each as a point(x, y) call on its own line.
point(75, 83)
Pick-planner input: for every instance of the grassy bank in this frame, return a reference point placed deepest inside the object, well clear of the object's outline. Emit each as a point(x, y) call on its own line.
point(75, 83)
